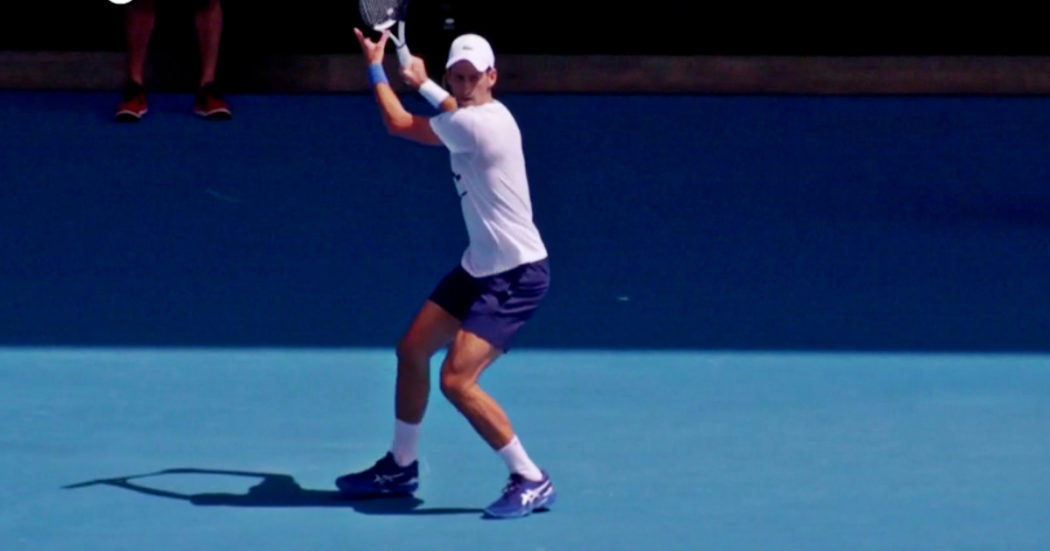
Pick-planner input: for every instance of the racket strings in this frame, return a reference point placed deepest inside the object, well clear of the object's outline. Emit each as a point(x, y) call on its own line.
point(381, 14)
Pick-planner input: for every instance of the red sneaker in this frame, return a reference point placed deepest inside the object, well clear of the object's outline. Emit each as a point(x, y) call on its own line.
point(210, 105)
point(133, 105)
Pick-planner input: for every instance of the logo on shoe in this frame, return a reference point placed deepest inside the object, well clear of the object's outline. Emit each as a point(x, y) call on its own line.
point(388, 478)
point(528, 496)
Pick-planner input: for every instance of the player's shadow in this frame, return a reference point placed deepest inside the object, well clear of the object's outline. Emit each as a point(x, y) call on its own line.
point(275, 490)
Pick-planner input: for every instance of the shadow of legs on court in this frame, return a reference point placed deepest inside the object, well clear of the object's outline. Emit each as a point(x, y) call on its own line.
point(275, 490)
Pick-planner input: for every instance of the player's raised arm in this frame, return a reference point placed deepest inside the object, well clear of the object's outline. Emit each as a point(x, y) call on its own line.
point(398, 121)
point(415, 75)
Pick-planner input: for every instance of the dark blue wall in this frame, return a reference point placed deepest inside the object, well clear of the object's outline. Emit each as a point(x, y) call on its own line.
point(687, 222)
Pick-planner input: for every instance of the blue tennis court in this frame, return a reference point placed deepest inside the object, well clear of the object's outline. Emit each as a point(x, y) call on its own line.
point(775, 322)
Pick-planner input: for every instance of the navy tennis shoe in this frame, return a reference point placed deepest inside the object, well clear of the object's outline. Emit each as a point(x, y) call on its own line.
point(521, 497)
point(384, 479)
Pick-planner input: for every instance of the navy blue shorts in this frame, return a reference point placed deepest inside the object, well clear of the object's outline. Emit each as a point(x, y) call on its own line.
point(494, 307)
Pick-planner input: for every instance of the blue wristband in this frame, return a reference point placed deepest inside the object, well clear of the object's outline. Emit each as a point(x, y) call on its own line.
point(376, 74)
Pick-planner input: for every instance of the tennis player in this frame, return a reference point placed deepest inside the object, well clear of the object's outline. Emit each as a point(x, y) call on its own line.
point(478, 307)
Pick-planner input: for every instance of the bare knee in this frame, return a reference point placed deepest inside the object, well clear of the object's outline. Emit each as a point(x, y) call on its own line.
point(454, 385)
point(411, 351)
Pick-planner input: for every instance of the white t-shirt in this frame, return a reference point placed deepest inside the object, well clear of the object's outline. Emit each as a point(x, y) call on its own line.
point(488, 167)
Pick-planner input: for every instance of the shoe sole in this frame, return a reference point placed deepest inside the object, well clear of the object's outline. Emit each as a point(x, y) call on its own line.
point(355, 494)
point(218, 115)
point(542, 507)
point(373, 492)
point(129, 116)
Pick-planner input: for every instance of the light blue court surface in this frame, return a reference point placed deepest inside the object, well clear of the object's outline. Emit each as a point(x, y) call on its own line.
point(237, 449)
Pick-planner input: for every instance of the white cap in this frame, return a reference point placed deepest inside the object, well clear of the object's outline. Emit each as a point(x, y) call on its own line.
point(474, 49)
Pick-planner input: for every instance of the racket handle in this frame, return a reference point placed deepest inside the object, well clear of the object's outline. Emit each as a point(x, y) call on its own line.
point(403, 55)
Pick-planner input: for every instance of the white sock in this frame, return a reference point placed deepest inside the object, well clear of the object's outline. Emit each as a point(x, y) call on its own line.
point(518, 461)
point(406, 442)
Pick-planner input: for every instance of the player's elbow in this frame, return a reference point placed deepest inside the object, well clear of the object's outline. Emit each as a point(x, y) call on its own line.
point(397, 127)
point(416, 129)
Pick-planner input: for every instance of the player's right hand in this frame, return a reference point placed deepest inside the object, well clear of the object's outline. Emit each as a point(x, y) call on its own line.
point(415, 74)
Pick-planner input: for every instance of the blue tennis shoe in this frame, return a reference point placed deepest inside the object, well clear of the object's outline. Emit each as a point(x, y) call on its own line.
point(384, 479)
point(521, 497)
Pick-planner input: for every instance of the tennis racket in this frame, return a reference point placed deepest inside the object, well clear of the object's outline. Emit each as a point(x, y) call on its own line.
point(384, 15)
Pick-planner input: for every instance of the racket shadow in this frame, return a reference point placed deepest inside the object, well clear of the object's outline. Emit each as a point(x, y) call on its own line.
point(274, 490)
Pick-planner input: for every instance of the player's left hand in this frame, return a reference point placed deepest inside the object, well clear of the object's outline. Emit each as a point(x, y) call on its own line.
point(373, 50)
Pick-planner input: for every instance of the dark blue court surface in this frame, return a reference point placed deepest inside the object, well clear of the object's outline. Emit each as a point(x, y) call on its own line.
point(673, 222)
point(775, 323)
